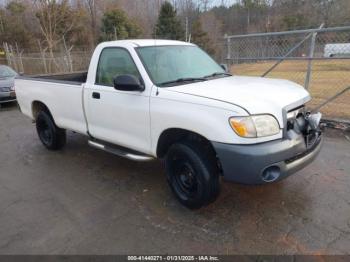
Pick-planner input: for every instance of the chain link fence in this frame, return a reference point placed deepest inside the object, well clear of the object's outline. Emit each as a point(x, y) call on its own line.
point(318, 59)
point(36, 63)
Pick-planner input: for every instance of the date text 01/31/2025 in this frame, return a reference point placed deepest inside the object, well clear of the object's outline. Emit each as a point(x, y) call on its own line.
point(173, 258)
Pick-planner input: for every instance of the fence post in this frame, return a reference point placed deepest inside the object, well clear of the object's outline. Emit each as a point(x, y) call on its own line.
point(311, 56)
point(68, 54)
point(13, 58)
point(7, 54)
point(19, 57)
point(43, 56)
point(228, 57)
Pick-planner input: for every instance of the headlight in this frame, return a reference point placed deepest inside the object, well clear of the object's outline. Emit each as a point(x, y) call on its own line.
point(255, 126)
point(12, 88)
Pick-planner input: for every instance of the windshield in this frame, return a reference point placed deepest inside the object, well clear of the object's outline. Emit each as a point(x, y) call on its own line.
point(5, 71)
point(171, 65)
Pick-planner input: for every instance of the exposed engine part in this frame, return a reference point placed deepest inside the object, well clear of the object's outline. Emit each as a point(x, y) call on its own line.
point(314, 120)
point(307, 124)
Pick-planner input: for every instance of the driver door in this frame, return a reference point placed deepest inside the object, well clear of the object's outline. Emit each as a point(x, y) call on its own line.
point(118, 117)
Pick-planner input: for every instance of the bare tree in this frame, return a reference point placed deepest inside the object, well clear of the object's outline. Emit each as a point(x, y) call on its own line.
point(53, 22)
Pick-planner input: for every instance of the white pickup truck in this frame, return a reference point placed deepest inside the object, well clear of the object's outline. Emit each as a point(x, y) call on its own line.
point(147, 99)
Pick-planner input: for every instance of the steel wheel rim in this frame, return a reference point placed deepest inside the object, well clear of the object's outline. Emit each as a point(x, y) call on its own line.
point(45, 132)
point(184, 178)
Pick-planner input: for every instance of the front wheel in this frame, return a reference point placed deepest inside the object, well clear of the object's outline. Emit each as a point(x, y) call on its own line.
point(192, 174)
point(52, 137)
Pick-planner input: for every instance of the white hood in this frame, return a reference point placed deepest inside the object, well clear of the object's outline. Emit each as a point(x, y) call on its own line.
point(257, 95)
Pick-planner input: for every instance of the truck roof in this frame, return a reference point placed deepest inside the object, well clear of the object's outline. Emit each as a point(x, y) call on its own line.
point(147, 42)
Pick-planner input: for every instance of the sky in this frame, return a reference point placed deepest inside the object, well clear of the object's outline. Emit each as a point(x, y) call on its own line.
point(215, 2)
point(227, 2)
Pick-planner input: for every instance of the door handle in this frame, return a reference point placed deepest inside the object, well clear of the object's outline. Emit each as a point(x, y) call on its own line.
point(96, 95)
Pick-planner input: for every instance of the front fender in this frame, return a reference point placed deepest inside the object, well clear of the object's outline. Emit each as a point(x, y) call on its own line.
point(206, 117)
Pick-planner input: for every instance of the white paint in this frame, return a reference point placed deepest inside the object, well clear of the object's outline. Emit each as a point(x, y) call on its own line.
point(137, 119)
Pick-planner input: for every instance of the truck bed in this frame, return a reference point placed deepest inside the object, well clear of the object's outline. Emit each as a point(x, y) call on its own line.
point(76, 78)
point(61, 93)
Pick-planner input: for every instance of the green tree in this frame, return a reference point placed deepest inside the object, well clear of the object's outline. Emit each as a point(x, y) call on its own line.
point(168, 25)
point(201, 38)
point(116, 25)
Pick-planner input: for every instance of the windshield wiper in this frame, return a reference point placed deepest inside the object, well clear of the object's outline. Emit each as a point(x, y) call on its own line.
point(183, 80)
point(218, 74)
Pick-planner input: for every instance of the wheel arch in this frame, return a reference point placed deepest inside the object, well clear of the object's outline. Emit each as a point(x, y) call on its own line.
point(38, 106)
point(173, 135)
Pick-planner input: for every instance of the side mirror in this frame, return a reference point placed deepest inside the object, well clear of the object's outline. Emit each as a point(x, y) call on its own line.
point(224, 66)
point(128, 83)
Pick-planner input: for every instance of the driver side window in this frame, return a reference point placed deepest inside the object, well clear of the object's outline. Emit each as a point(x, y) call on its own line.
point(114, 62)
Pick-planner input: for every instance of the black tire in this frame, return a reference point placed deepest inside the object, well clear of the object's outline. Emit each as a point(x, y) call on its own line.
point(192, 174)
point(52, 137)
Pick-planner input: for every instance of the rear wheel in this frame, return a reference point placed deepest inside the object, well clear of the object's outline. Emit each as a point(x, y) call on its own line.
point(52, 137)
point(192, 174)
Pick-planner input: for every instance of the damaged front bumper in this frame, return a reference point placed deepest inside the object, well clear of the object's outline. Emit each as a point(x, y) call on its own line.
point(272, 161)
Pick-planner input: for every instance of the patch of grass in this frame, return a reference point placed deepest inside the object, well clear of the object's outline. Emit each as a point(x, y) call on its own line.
point(328, 78)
